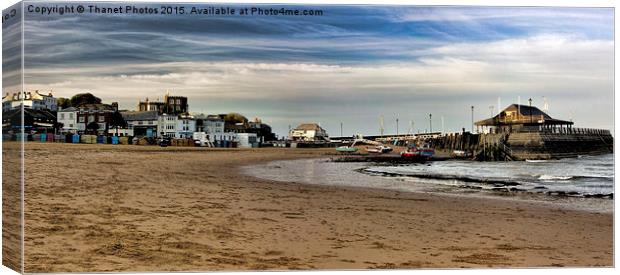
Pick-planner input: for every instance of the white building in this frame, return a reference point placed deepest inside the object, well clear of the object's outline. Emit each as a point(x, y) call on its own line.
point(213, 127)
point(31, 99)
point(121, 132)
point(247, 140)
point(142, 123)
point(176, 126)
point(68, 118)
point(308, 132)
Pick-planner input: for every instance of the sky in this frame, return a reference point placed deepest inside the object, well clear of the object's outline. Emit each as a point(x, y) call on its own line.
point(352, 65)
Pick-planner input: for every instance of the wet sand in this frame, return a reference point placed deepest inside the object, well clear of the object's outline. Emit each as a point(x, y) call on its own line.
point(137, 208)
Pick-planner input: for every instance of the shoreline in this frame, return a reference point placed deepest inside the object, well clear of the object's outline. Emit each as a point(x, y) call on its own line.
point(195, 211)
point(591, 204)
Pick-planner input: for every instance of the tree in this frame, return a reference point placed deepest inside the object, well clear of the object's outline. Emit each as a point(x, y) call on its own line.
point(63, 103)
point(234, 118)
point(57, 126)
point(92, 127)
point(117, 121)
point(84, 98)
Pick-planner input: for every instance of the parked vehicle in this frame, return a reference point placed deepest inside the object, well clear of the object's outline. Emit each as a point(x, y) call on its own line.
point(164, 141)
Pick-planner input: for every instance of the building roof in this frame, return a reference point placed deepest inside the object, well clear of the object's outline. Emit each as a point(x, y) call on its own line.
point(525, 115)
point(38, 115)
point(69, 109)
point(98, 106)
point(145, 115)
point(308, 126)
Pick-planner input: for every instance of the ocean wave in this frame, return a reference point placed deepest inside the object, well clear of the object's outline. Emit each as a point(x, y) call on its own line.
point(535, 183)
point(495, 182)
point(552, 177)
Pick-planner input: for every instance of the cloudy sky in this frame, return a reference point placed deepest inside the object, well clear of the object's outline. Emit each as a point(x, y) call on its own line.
point(351, 65)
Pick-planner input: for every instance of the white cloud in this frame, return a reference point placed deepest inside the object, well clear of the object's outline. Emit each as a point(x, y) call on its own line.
point(456, 75)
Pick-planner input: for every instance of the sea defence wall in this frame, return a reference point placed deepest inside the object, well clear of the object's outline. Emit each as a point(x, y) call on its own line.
point(547, 144)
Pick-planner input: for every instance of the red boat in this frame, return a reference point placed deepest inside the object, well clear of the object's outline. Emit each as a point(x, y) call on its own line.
point(415, 152)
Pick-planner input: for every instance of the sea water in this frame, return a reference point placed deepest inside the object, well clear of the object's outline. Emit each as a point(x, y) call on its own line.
point(584, 176)
point(585, 183)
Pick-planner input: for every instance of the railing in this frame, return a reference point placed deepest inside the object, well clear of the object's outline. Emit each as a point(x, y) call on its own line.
point(566, 131)
point(506, 149)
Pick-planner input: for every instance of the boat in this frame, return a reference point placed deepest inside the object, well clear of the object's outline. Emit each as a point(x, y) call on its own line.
point(535, 160)
point(347, 148)
point(381, 149)
point(413, 152)
point(461, 154)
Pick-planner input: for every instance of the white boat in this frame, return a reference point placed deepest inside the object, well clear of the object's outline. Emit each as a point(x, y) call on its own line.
point(381, 149)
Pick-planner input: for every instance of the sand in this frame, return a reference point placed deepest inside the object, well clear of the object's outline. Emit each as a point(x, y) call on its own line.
point(11, 206)
point(138, 208)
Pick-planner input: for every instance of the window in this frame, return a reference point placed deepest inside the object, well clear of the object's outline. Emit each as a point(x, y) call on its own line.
point(70, 115)
point(101, 118)
point(91, 118)
point(82, 119)
point(62, 116)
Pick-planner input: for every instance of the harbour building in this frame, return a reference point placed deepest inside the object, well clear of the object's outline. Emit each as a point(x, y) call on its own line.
point(522, 132)
point(517, 118)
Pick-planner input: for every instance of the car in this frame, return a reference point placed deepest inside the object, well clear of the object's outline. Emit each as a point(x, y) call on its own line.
point(164, 141)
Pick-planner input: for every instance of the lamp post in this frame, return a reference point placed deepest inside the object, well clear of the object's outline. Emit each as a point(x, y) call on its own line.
point(396, 126)
point(341, 129)
point(472, 119)
point(531, 120)
point(430, 123)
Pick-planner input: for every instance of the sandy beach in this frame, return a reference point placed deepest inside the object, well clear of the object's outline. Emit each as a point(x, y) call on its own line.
point(137, 208)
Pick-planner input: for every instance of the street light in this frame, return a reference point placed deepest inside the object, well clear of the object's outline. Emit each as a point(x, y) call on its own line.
point(531, 120)
point(397, 126)
point(472, 119)
point(430, 123)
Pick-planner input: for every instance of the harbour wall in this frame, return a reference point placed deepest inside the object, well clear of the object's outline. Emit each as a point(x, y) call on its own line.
point(528, 145)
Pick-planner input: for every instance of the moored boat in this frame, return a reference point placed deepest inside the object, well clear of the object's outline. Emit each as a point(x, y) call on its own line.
point(413, 152)
point(381, 149)
point(346, 149)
